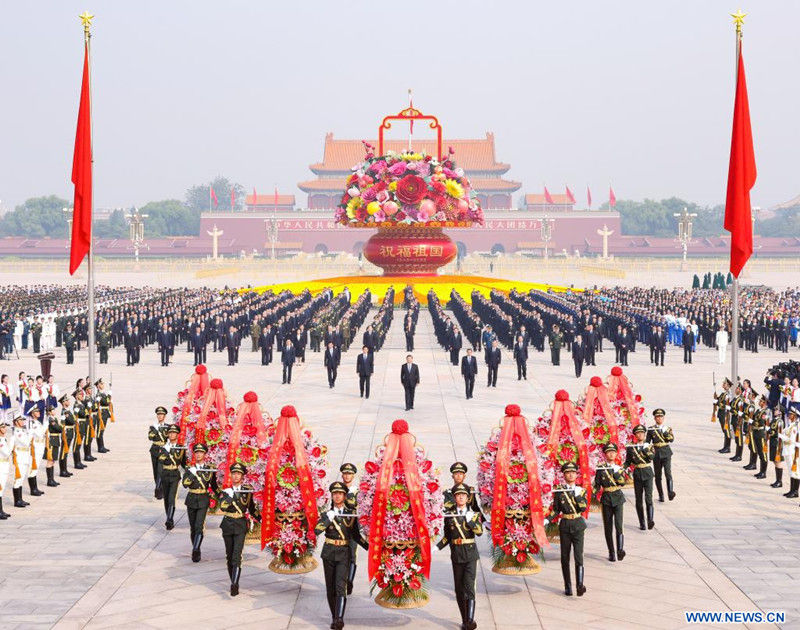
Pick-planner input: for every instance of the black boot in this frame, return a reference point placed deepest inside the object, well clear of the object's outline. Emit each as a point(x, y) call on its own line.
point(726, 446)
point(640, 514)
point(338, 613)
point(87, 453)
point(158, 492)
point(62, 468)
point(351, 576)
point(567, 579)
point(620, 545)
point(660, 490)
point(462, 608)
point(650, 517)
point(76, 461)
point(18, 502)
point(737, 456)
point(236, 572)
point(469, 622)
point(793, 487)
point(101, 445)
point(51, 482)
point(198, 540)
point(778, 479)
point(3, 515)
point(332, 608)
point(670, 489)
point(762, 471)
point(751, 465)
point(34, 486)
point(579, 587)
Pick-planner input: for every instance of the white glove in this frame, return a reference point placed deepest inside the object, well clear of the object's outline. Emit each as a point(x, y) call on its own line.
point(546, 522)
point(229, 492)
point(331, 515)
point(469, 514)
point(193, 470)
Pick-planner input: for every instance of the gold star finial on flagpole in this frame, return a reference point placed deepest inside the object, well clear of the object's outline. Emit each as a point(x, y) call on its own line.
point(738, 19)
point(86, 19)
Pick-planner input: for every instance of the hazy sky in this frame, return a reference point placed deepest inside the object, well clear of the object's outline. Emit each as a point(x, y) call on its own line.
point(636, 93)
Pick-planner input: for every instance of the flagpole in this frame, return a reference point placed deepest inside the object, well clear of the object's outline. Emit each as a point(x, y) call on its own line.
point(86, 20)
point(738, 19)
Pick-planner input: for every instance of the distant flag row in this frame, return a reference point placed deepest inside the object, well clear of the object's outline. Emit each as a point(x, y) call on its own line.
point(612, 198)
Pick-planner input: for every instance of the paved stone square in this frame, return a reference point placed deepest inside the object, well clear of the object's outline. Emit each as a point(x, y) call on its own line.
point(94, 552)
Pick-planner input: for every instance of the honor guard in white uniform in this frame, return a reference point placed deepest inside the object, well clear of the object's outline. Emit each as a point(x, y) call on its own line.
point(6, 449)
point(21, 456)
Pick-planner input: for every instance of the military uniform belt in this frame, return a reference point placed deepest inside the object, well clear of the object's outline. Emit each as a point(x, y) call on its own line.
point(104, 407)
point(571, 516)
point(642, 465)
point(159, 443)
point(661, 443)
point(612, 488)
point(336, 542)
point(170, 467)
point(462, 541)
point(196, 491)
point(229, 515)
point(4, 460)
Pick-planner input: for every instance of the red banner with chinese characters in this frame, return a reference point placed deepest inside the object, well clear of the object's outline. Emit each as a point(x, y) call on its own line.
point(598, 393)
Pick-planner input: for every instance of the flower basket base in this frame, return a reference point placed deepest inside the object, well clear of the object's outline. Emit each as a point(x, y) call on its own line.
point(553, 538)
point(253, 537)
point(387, 599)
point(306, 564)
point(506, 566)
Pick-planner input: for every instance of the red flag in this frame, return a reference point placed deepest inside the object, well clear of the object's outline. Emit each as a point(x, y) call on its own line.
point(612, 198)
point(233, 199)
point(213, 196)
point(741, 177)
point(547, 197)
point(589, 196)
point(276, 197)
point(570, 196)
point(410, 106)
point(255, 196)
point(82, 175)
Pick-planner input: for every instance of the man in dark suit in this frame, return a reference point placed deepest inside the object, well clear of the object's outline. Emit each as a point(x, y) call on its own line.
point(469, 370)
point(408, 327)
point(199, 343)
point(166, 344)
point(287, 360)
point(578, 355)
point(521, 358)
point(688, 344)
point(369, 339)
point(265, 341)
point(409, 377)
point(232, 342)
point(493, 358)
point(660, 341)
point(455, 346)
point(331, 360)
point(589, 344)
point(365, 366)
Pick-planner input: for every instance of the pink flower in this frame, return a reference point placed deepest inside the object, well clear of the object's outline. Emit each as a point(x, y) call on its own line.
point(397, 169)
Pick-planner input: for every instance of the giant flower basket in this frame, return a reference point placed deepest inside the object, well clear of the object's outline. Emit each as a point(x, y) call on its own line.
point(247, 444)
point(189, 404)
point(294, 492)
point(606, 424)
point(565, 440)
point(409, 197)
point(400, 509)
point(509, 486)
point(625, 400)
point(213, 427)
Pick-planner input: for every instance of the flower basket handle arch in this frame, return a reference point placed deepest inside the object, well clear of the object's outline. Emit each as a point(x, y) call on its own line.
point(411, 114)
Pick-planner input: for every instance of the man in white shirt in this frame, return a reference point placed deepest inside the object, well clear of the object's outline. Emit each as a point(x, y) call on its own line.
point(721, 341)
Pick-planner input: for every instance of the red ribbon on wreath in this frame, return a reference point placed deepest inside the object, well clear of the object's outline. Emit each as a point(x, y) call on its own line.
point(564, 411)
point(620, 387)
point(399, 447)
point(597, 392)
point(247, 412)
point(288, 429)
point(214, 398)
point(514, 425)
point(198, 386)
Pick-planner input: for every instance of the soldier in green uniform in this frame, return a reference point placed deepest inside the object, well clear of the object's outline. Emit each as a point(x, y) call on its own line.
point(776, 428)
point(198, 480)
point(69, 344)
point(234, 503)
point(90, 407)
point(103, 417)
point(157, 434)
point(749, 417)
point(68, 422)
point(738, 406)
point(81, 415)
point(342, 532)
point(55, 438)
point(570, 501)
point(36, 333)
point(758, 434)
point(660, 436)
point(458, 472)
point(461, 526)
point(103, 344)
point(610, 478)
point(638, 457)
point(555, 337)
point(348, 472)
point(722, 405)
point(170, 458)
